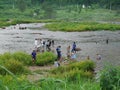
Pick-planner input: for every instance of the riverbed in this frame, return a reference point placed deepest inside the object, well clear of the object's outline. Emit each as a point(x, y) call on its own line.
point(13, 39)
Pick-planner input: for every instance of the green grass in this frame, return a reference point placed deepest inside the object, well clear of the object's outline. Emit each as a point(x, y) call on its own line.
point(7, 22)
point(77, 75)
point(45, 58)
point(82, 26)
point(76, 70)
point(110, 78)
point(19, 56)
point(20, 82)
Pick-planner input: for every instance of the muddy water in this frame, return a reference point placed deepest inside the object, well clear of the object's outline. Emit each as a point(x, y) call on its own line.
point(13, 39)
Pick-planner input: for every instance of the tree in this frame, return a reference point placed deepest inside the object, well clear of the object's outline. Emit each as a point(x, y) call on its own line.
point(21, 5)
point(49, 12)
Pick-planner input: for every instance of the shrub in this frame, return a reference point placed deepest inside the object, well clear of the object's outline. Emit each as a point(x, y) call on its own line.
point(76, 70)
point(22, 57)
point(86, 65)
point(45, 58)
point(110, 78)
point(4, 57)
point(75, 75)
point(13, 66)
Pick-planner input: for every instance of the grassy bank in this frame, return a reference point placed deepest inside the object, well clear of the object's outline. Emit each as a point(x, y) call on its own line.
point(82, 26)
point(75, 75)
point(7, 22)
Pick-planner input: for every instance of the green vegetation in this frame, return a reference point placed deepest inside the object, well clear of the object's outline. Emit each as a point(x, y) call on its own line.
point(45, 58)
point(19, 56)
point(19, 11)
point(76, 70)
point(110, 78)
point(14, 66)
point(21, 83)
point(15, 62)
point(76, 75)
point(82, 26)
point(4, 23)
point(75, 10)
point(68, 15)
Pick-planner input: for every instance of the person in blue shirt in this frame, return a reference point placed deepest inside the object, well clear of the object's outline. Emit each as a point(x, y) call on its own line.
point(33, 54)
point(59, 55)
point(74, 47)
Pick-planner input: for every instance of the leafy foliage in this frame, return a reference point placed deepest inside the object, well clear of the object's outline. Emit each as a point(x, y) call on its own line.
point(45, 58)
point(75, 70)
point(22, 57)
point(15, 62)
point(110, 78)
point(14, 66)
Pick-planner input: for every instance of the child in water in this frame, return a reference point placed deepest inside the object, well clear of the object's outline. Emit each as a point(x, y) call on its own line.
point(99, 57)
point(73, 55)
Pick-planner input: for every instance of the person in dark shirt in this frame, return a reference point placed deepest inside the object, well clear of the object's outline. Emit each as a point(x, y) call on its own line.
point(74, 47)
point(106, 41)
point(59, 55)
point(33, 54)
point(52, 43)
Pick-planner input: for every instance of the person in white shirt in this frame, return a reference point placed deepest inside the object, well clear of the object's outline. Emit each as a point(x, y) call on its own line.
point(36, 43)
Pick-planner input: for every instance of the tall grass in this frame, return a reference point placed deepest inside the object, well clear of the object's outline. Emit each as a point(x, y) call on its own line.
point(110, 78)
point(58, 84)
point(45, 58)
point(82, 26)
point(76, 76)
point(20, 56)
point(13, 82)
point(74, 71)
point(15, 62)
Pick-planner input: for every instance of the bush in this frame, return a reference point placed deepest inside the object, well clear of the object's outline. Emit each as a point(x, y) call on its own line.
point(22, 57)
point(86, 65)
point(76, 70)
point(45, 58)
point(13, 66)
point(75, 75)
point(4, 57)
point(110, 78)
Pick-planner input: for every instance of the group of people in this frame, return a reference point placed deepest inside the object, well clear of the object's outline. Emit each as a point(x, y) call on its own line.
point(42, 46)
point(71, 53)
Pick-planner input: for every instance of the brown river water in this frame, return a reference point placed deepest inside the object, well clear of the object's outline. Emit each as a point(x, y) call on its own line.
point(13, 39)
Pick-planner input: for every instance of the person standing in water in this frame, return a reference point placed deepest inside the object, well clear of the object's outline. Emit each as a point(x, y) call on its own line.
point(106, 41)
point(74, 47)
point(59, 55)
